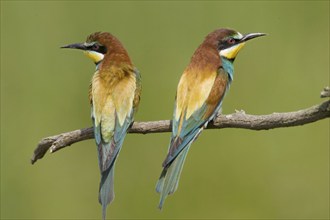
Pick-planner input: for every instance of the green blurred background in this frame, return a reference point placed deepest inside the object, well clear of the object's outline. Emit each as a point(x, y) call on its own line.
point(229, 173)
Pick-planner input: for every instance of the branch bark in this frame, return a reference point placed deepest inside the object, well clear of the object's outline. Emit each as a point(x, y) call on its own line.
point(236, 120)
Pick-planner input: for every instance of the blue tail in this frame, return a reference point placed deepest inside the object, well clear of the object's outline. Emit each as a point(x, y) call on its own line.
point(106, 193)
point(169, 179)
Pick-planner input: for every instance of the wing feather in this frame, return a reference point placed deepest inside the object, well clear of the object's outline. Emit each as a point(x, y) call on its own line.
point(196, 109)
point(112, 113)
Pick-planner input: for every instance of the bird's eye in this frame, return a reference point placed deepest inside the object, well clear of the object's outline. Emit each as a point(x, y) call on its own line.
point(95, 47)
point(231, 41)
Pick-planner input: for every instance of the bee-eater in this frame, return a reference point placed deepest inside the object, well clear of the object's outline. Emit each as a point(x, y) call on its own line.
point(199, 97)
point(114, 96)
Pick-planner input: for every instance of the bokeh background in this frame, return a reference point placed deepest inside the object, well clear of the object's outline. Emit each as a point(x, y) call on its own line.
point(229, 173)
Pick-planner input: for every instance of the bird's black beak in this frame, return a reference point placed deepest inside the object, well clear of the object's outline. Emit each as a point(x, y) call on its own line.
point(251, 36)
point(80, 46)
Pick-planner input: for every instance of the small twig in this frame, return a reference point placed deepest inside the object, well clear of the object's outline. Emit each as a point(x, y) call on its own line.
point(235, 120)
point(326, 92)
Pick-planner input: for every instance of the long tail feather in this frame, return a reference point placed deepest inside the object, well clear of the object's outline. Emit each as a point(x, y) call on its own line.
point(169, 178)
point(106, 191)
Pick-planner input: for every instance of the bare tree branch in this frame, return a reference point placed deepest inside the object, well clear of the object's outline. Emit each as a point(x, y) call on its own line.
point(235, 120)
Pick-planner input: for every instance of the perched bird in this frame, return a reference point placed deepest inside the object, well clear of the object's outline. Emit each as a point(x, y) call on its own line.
point(114, 96)
point(199, 97)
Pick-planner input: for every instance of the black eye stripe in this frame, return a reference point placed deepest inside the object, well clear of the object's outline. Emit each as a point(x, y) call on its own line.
point(229, 42)
point(102, 49)
point(98, 48)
